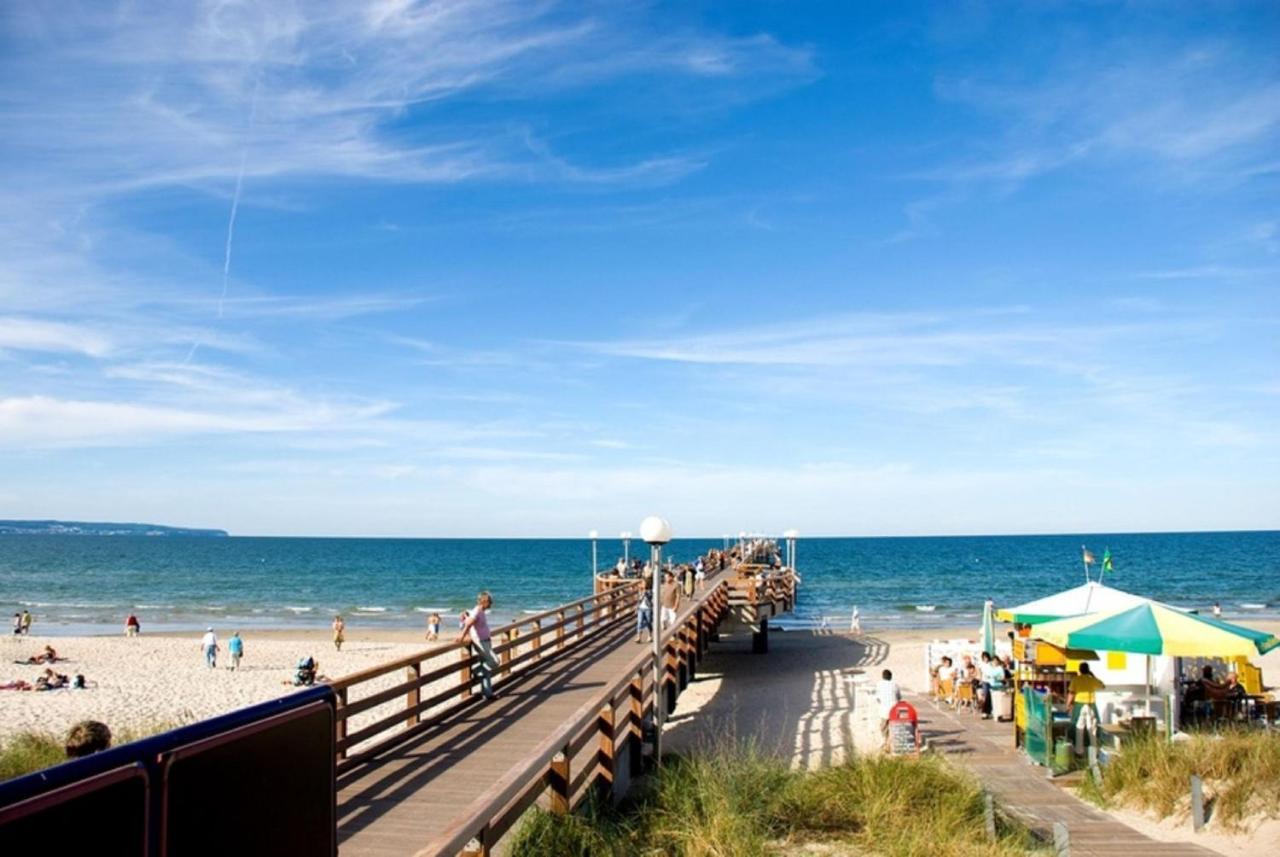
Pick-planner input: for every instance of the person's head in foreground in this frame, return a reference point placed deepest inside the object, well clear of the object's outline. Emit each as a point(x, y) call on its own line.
point(86, 738)
point(887, 675)
point(1084, 670)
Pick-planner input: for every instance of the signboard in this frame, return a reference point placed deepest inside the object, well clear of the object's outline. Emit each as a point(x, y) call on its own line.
point(904, 730)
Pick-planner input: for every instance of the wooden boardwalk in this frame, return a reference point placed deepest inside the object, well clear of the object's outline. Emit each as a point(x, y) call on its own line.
point(985, 747)
point(413, 796)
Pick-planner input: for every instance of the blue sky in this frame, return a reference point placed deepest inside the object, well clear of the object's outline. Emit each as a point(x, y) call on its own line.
point(487, 268)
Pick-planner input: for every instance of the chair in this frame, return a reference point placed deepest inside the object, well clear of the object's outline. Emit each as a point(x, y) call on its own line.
point(945, 690)
point(964, 697)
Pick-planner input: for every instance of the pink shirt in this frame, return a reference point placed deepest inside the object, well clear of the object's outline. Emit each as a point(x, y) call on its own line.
point(479, 625)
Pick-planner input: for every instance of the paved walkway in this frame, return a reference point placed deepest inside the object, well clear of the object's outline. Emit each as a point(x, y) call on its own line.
point(986, 748)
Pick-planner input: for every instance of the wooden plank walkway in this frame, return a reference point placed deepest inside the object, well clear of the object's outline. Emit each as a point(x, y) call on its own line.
point(985, 747)
point(396, 804)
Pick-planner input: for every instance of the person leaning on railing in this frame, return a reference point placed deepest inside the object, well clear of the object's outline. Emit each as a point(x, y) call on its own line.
point(475, 627)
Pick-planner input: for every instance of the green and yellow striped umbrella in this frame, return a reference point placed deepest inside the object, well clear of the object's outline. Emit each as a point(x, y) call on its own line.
point(1153, 628)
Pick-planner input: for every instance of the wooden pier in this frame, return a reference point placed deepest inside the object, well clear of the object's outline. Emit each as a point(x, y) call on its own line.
point(427, 767)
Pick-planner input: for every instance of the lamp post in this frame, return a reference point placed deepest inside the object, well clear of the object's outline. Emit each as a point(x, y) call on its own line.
point(742, 545)
point(791, 536)
point(626, 548)
point(726, 542)
point(593, 535)
point(657, 532)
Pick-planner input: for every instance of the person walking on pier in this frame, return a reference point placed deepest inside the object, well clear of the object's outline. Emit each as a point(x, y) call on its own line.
point(670, 599)
point(476, 628)
point(644, 615)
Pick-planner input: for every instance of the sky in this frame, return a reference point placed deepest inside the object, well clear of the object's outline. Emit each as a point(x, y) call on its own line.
point(480, 268)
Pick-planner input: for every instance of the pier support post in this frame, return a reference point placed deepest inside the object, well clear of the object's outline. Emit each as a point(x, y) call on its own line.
point(760, 639)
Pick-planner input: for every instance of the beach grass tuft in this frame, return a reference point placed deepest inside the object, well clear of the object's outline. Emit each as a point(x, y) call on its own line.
point(1240, 770)
point(736, 802)
point(27, 752)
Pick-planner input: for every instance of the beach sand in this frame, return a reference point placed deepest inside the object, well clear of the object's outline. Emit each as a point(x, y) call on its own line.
point(148, 681)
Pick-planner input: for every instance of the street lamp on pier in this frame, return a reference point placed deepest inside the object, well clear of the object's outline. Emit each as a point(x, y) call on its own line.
point(593, 535)
point(626, 548)
point(657, 532)
point(791, 536)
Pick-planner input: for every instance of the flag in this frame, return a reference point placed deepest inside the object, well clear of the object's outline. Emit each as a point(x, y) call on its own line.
point(1106, 560)
point(1088, 557)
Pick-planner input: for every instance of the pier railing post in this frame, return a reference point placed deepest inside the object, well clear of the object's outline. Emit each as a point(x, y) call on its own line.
point(608, 749)
point(340, 733)
point(560, 629)
point(558, 782)
point(414, 696)
point(537, 639)
point(464, 655)
point(582, 621)
point(636, 738)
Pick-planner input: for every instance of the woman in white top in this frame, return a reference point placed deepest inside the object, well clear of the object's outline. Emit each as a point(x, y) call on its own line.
point(476, 628)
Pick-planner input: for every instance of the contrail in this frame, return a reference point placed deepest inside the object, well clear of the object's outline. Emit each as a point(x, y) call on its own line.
point(231, 219)
point(231, 229)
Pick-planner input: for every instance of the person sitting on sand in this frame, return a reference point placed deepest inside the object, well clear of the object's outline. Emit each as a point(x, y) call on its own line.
point(433, 627)
point(48, 656)
point(305, 674)
point(131, 626)
point(51, 680)
point(86, 738)
point(339, 632)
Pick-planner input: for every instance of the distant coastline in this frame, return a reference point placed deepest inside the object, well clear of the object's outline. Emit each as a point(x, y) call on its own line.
point(86, 528)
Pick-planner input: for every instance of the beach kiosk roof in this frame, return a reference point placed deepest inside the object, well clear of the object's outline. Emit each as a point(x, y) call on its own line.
point(1091, 597)
point(1152, 628)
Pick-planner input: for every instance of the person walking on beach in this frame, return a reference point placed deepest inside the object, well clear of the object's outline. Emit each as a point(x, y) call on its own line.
point(209, 645)
point(235, 648)
point(887, 696)
point(26, 622)
point(17, 624)
point(433, 627)
point(131, 626)
point(475, 627)
point(339, 632)
point(670, 599)
point(855, 623)
point(1217, 610)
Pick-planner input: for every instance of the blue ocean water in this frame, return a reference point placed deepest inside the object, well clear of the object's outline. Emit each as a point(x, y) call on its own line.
point(88, 584)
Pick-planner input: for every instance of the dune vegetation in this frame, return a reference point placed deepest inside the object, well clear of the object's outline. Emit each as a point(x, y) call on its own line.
point(1240, 771)
point(738, 803)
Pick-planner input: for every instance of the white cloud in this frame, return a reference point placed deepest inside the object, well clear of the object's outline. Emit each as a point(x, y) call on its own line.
point(33, 334)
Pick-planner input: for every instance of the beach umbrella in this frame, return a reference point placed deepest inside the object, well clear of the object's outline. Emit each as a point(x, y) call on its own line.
point(1152, 628)
point(988, 628)
point(1090, 597)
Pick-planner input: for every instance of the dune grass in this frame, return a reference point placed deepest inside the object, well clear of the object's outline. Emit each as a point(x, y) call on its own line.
point(1240, 770)
point(738, 803)
point(26, 752)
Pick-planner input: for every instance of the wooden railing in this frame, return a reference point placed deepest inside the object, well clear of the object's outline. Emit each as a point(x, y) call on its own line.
point(437, 681)
point(585, 752)
point(757, 584)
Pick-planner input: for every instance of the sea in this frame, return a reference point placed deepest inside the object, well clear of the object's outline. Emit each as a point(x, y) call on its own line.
point(88, 584)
